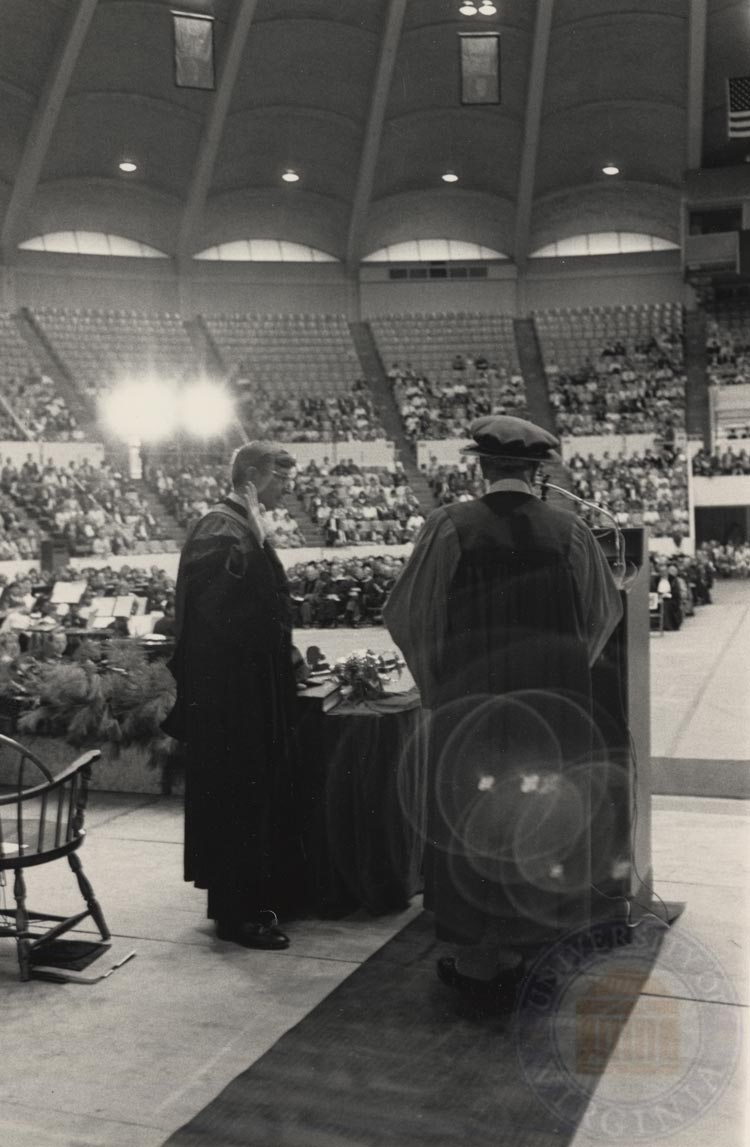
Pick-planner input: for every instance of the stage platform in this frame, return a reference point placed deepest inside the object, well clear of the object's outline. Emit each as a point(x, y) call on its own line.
point(125, 1062)
point(700, 691)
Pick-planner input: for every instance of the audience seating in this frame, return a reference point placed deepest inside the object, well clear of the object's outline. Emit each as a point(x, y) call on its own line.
point(616, 370)
point(290, 354)
point(101, 348)
point(360, 505)
point(641, 490)
point(428, 343)
point(447, 369)
point(270, 412)
point(728, 341)
point(726, 461)
point(188, 488)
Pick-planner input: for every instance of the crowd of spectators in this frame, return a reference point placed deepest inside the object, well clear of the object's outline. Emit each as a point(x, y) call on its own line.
point(20, 537)
point(355, 505)
point(678, 584)
point(728, 351)
point(187, 488)
point(303, 417)
point(640, 390)
point(725, 461)
point(648, 489)
point(28, 608)
point(431, 409)
point(94, 508)
point(333, 593)
point(728, 559)
point(10, 431)
point(42, 411)
point(459, 482)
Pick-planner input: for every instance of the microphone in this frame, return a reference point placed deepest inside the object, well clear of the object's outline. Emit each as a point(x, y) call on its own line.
point(619, 569)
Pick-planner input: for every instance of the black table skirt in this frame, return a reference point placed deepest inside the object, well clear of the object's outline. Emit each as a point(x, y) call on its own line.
point(362, 794)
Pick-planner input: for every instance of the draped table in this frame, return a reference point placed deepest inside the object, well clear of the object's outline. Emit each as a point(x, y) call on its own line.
point(362, 796)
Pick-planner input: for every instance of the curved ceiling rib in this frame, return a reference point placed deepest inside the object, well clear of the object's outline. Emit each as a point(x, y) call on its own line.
point(301, 110)
point(534, 100)
point(636, 105)
point(204, 165)
point(696, 70)
point(43, 123)
point(135, 100)
point(368, 161)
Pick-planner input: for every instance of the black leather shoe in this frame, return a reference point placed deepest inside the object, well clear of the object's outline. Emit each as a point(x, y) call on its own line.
point(263, 933)
point(504, 983)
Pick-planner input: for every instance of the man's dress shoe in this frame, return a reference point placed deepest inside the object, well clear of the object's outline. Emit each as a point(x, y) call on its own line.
point(264, 933)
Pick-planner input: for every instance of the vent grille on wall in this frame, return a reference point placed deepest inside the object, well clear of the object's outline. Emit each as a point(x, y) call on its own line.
point(437, 271)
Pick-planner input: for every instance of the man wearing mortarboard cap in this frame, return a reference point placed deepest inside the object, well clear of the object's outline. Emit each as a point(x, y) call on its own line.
point(503, 607)
point(235, 707)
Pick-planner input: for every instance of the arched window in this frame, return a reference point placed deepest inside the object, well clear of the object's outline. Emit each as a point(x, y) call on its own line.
point(91, 243)
point(265, 251)
point(603, 243)
point(432, 251)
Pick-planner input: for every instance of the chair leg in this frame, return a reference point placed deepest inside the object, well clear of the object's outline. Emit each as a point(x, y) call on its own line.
point(87, 892)
point(23, 943)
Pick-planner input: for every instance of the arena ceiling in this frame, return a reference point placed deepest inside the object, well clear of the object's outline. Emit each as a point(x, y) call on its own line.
point(362, 98)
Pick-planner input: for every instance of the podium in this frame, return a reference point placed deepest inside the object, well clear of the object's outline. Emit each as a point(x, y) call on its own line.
point(621, 694)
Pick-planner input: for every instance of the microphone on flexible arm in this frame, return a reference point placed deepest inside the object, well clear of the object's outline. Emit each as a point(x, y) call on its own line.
point(620, 573)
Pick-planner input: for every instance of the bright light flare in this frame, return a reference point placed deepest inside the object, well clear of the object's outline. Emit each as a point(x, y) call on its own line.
point(141, 411)
point(205, 410)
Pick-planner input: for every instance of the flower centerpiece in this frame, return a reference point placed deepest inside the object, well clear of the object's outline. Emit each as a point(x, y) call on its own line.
point(364, 674)
point(104, 695)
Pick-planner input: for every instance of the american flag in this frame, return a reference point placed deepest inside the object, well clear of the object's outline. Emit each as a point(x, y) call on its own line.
point(738, 107)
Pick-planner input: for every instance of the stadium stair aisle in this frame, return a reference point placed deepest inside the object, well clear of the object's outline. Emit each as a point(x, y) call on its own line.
point(166, 525)
point(697, 416)
point(537, 399)
point(205, 347)
point(534, 375)
point(51, 364)
point(374, 372)
point(313, 533)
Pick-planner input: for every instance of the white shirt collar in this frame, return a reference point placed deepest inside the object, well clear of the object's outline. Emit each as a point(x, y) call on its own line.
point(510, 485)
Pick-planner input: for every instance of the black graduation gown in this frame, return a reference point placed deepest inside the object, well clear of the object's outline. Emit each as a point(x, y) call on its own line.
point(502, 644)
point(235, 711)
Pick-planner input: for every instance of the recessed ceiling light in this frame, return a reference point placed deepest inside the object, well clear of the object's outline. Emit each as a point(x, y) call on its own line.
point(449, 177)
point(290, 176)
point(127, 165)
point(610, 169)
point(468, 9)
point(487, 9)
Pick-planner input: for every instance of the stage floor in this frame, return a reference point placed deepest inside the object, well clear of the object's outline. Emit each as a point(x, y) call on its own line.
point(124, 1062)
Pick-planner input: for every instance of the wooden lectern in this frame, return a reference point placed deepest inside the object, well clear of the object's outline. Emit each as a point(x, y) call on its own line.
point(622, 870)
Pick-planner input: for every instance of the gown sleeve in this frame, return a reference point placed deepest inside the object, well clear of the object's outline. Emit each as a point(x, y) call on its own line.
point(602, 604)
point(415, 613)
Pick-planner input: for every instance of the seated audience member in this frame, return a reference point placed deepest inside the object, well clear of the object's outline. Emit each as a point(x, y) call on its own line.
point(664, 582)
point(636, 391)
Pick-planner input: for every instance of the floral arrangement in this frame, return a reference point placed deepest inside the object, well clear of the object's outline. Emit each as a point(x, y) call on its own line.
point(363, 674)
point(104, 695)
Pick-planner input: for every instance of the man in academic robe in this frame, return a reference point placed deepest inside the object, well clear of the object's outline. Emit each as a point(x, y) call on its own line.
point(503, 607)
point(235, 708)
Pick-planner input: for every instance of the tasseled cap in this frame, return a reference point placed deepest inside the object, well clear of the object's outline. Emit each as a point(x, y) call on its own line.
point(502, 436)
